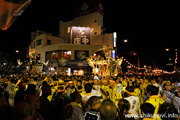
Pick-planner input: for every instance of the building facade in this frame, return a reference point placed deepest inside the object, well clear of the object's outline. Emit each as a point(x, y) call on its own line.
point(77, 40)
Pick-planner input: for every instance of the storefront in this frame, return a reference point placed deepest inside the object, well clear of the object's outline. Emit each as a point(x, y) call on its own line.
point(73, 67)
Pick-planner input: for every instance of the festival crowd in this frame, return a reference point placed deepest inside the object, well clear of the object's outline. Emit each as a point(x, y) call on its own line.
point(59, 97)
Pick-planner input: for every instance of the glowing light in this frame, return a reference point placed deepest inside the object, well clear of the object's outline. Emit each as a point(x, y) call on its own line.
point(80, 72)
point(125, 40)
point(17, 51)
point(113, 54)
point(115, 38)
point(68, 52)
point(69, 29)
point(52, 69)
point(69, 71)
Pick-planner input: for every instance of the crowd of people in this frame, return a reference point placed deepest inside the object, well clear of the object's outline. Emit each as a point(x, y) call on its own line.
point(46, 97)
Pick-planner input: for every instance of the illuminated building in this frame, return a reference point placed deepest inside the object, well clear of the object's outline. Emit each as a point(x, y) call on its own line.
point(77, 39)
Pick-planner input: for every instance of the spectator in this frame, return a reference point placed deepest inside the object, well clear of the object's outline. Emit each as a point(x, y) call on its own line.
point(87, 95)
point(5, 109)
point(167, 87)
point(20, 92)
point(96, 88)
point(35, 99)
point(104, 89)
point(78, 86)
point(10, 89)
point(24, 110)
point(124, 107)
point(31, 89)
point(108, 110)
point(93, 104)
point(74, 111)
point(175, 98)
point(59, 101)
point(168, 112)
point(134, 102)
point(153, 82)
point(113, 94)
point(46, 106)
point(147, 110)
point(154, 99)
point(70, 88)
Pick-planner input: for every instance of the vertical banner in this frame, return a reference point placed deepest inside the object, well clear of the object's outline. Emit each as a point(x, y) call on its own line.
point(114, 39)
point(81, 35)
point(113, 54)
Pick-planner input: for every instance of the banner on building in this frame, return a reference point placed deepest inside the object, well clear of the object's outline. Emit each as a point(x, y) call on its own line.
point(81, 54)
point(72, 63)
point(81, 35)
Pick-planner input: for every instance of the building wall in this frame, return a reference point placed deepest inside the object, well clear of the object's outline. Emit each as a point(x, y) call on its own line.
point(93, 20)
point(44, 37)
point(106, 39)
point(59, 44)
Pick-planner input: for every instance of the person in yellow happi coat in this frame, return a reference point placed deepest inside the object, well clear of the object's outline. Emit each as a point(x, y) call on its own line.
point(105, 89)
point(154, 99)
point(137, 92)
point(113, 92)
point(124, 82)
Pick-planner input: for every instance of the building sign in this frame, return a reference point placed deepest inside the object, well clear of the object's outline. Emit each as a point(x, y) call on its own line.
point(113, 54)
point(114, 39)
point(81, 54)
point(80, 35)
point(73, 63)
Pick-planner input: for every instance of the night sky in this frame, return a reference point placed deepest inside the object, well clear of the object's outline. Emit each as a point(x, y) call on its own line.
point(150, 27)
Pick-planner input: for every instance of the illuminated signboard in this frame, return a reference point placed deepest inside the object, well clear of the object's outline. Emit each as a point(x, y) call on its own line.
point(80, 35)
point(114, 39)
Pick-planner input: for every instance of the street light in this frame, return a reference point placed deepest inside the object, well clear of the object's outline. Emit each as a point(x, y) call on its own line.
point(17, 51)
point(167, 49)
point(125, 41)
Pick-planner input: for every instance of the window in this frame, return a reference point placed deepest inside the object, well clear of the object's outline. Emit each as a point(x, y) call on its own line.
point(48, 42)
point(95, 21)
point(64, 54)
point(95, 33)
point(38, 42)
point(54, 56)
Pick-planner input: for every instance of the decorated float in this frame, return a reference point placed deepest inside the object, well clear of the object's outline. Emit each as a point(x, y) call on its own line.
point(104, 62)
